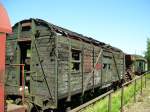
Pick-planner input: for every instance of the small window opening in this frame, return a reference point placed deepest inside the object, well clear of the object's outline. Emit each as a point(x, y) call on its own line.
point(26, 28)
point(76, 60)
point(140, 64)
point(75, 54)
point(104, 65)
point(76, 67)
point(109, 66)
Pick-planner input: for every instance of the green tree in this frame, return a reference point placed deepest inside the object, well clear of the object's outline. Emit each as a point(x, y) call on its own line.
point(147, 54)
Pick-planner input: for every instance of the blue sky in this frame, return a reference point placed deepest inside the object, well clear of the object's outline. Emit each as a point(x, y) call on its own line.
point(122, 23)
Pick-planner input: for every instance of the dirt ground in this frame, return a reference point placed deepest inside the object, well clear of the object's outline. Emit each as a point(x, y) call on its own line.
point(142, 101)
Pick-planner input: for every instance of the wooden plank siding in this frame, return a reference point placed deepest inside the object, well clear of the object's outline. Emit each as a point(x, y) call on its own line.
point(62, 65)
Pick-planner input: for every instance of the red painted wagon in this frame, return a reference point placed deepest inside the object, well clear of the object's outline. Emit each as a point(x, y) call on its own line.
point(4, 29)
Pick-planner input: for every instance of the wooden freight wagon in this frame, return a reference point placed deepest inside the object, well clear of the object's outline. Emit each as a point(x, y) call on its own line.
point(58, 63)
point(136, 64)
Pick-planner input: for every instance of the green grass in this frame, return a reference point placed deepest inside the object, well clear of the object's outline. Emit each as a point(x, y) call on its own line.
point(102, 105)
point(148, 76)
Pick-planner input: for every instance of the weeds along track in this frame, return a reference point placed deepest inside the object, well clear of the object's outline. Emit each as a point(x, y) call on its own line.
point(114, 101)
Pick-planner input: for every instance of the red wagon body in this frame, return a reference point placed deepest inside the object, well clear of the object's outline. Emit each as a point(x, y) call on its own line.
point(4, 29)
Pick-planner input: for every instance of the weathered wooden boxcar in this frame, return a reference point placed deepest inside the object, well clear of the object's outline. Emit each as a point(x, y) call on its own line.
point(58, 63)
point(136, 64)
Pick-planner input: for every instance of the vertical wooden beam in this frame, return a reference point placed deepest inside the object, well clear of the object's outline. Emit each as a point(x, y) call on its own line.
point(82, 64)
point(18, 61)
point(122, 98)
point(101, 67)
point(69, 74)
point(23, 83)
point(109, 103)
point(123, 77)
point(56, 71)
point(93, 65)
point(19, 30)
point(141, 84)
point(145, 80)
point(135, 90)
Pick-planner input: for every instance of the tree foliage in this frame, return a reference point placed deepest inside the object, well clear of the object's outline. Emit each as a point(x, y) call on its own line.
point(147, 54)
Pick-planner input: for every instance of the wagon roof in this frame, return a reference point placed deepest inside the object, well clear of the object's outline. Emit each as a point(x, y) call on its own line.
point(4, 21)
point(139, 57)
point(71, 33)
